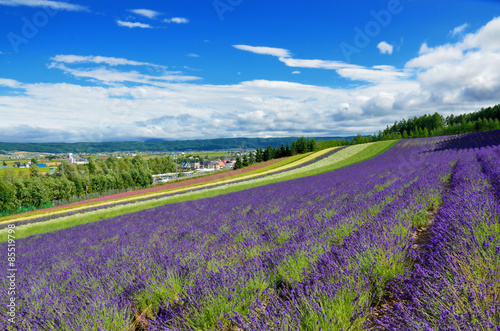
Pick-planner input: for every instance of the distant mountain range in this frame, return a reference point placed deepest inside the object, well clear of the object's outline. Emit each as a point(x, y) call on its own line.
point(153, 145)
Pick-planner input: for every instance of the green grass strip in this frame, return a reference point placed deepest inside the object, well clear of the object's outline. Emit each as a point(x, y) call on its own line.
point(87, 217)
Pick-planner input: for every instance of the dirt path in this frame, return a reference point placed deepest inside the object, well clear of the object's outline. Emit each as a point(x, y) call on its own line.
point(421, 237)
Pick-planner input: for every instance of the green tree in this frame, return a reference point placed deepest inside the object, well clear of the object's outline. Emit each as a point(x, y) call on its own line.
point(245, 161)
point(8, 199)
point(312, 145)
point(37, 192)
point(259, 156)
point(34, 171)
point(282, 152)
point(251, 159)
point(238, 164)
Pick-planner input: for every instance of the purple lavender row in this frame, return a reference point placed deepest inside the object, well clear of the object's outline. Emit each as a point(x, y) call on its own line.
point(455, 283)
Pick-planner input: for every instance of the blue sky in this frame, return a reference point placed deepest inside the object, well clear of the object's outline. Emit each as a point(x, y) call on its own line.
point(134, 70)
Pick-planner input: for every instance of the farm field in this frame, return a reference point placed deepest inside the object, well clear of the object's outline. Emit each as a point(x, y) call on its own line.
point(15, 170)
point(310, 164)
point(314, 253)
point(165, 187)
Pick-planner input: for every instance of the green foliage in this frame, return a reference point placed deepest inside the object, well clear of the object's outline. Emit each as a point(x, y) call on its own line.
point(238, 164)
point(245, 162)
point(436, 125)
point(300, 146)
point(8, 199)
point(72, 180)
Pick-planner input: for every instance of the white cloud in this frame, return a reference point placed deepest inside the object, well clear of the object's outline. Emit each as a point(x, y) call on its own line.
point(188, 111)
point(192, 55)
point(374, 74)
point(178, 20)
point(133, 24)
point(318, 64)
point(430, 57)
point(112, 61)
point(145, 12)
point(9, 83)
point(280, 52)
point(468, 70)
point(385, 48)
point(57, 5)
point(459, 29)
point(486, 38)
point(113, 76)
point(346, 70)
point(296, 72)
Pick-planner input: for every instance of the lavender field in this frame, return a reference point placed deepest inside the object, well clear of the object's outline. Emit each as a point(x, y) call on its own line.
point(337, 251)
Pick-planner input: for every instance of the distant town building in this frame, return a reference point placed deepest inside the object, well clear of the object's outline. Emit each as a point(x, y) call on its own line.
point(73, 159)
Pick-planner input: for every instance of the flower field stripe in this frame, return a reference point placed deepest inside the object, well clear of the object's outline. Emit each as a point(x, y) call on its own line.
point(79, 215)
point(275, 165)
point(191, 182)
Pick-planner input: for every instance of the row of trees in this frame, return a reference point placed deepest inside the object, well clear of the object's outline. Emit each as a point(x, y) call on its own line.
point(436, 125)
point(71, 180)
point(300, 146)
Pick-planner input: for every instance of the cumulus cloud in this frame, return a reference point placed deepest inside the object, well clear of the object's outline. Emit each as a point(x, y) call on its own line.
point(177, 20)
point(296, 72)
point(189, 111)
point(385, 48)
point(133, 24)
point(145, 12)
point(57, 5)
point(462, 71)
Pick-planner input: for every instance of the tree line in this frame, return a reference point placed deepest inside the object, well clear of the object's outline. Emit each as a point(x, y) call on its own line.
point(436, 125)
point(36, 190)
point(300, 146)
